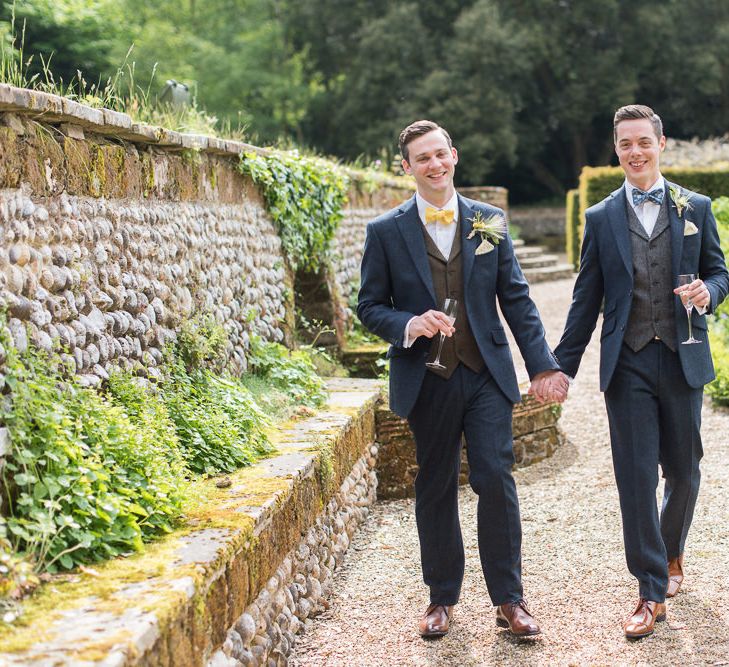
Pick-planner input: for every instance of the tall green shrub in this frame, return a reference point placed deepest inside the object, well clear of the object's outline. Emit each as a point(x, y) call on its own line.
point(572, 228)
point(719, 324)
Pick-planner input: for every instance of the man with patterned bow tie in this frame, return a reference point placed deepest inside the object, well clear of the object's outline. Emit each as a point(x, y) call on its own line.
point(636, 243)
point(415, 256)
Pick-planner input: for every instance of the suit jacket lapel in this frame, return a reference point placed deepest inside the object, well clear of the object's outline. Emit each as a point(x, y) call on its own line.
point(677, 225)
point(618, 217)
point(468, 246)
point(409, 223)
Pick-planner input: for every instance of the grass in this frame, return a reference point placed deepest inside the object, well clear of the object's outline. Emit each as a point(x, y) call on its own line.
point(120, 92)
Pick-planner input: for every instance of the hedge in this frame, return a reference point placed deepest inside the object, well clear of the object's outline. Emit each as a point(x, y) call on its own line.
point(719, 324)
point(572, 228)
point(596, 183)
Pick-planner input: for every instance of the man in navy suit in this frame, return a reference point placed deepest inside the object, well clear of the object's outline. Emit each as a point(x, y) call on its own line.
point(637, 241)
point(415, 256)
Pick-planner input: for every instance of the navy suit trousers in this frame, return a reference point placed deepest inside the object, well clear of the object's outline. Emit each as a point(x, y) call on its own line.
point(654, 418)
point(471, 404)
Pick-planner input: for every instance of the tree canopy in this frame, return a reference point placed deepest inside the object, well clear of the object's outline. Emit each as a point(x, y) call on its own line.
point(527, 88)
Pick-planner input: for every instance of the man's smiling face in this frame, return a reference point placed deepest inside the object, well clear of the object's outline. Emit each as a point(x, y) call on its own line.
point(432, 162)
point(638, 150)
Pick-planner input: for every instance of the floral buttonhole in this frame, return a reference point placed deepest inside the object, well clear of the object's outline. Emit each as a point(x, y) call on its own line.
point(491, 229)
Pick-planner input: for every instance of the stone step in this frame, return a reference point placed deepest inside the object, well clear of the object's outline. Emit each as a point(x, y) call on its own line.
point(527, 251)
point(542, 274)
point(538, 261)
point(518, 243)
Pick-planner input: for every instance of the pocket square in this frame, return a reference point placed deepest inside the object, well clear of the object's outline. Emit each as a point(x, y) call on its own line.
point(689, 228)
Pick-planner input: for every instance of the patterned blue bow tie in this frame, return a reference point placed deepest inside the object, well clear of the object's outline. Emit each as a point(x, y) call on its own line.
point(639, 196)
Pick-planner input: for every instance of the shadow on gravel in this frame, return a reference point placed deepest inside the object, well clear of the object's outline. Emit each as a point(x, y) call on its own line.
point(565, 457)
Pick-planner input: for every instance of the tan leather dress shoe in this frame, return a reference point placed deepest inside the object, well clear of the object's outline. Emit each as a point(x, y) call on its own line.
point(517, 618)
point(435, 621)
point(675, 576)
point(643, 620)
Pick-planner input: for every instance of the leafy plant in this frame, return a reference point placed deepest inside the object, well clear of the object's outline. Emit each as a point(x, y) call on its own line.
point(290, 371)
point(304, 196)
point(82, 481)
point(201, 343)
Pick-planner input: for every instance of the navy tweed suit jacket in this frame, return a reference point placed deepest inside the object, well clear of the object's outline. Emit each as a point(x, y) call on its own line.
point(397, 285)
point(606, 272)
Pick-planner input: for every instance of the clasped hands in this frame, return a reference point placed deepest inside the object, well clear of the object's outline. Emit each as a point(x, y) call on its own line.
point(550, 386)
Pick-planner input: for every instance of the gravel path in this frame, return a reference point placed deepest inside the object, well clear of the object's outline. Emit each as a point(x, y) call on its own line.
point(575, 576)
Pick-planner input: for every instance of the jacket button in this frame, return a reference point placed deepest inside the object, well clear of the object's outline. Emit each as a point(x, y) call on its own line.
point(630, 292)
point(622, 327)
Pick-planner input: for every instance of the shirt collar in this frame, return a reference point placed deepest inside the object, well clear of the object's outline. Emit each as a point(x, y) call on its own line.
point(451, 205)
point(629, 187)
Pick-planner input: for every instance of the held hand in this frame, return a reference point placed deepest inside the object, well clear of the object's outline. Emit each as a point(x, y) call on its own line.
point(696, 291)
point(550, 386)
point(430, 323)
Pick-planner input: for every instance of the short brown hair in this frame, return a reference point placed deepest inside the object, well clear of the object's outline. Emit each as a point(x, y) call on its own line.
point(418, 129)
point(636, 111)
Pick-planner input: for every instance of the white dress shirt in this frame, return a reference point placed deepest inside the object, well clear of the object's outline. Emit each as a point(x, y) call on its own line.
point(442, 235)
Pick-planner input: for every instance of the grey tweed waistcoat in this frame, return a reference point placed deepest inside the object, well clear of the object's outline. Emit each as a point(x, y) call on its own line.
point(652, 310)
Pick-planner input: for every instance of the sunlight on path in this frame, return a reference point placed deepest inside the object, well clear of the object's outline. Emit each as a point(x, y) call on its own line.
point(575, 576)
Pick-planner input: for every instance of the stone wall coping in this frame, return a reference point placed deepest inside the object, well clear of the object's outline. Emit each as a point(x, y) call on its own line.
point(46, 107)
point(123, 624)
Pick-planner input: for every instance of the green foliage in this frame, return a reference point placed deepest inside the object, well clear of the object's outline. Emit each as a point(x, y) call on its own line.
point(16, 576)
point(84, 482)
point(201, 343)
point(219, 425)
point(291, 371)
point(304, 196)
point(93, 475)
point(528, 97)
point(718, 389)
point(572, 228)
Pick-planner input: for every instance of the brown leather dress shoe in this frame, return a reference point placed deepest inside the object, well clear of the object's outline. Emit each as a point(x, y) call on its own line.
point(643, 620)
point(435, 621)
point(517, 617)
point(675, 576)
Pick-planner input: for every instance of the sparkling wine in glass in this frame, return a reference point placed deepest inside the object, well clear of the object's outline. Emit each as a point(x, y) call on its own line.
point(684, 280)
point(449, 310)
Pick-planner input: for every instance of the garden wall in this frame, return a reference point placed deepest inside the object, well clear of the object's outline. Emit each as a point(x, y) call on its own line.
point(113, 233)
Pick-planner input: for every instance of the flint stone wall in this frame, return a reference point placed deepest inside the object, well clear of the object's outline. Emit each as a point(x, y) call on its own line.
point(113, 233)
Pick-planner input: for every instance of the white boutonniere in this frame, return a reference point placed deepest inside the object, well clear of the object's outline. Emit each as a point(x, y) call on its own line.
point(491, 229)
point(681, 200)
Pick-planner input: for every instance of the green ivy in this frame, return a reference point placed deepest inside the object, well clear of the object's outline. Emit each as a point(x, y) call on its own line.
point(305, 197)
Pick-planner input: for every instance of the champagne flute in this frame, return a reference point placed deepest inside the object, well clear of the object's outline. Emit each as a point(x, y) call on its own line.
point(449, 310)
point(685, 279)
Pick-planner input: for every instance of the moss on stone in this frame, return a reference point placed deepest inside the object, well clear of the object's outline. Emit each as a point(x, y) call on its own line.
point(96, 176)
point(147, 175)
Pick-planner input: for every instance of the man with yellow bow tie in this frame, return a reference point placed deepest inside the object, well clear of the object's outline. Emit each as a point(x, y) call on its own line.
point(415, 257)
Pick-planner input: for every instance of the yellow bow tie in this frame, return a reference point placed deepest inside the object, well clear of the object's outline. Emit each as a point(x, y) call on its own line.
point(445, 217)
